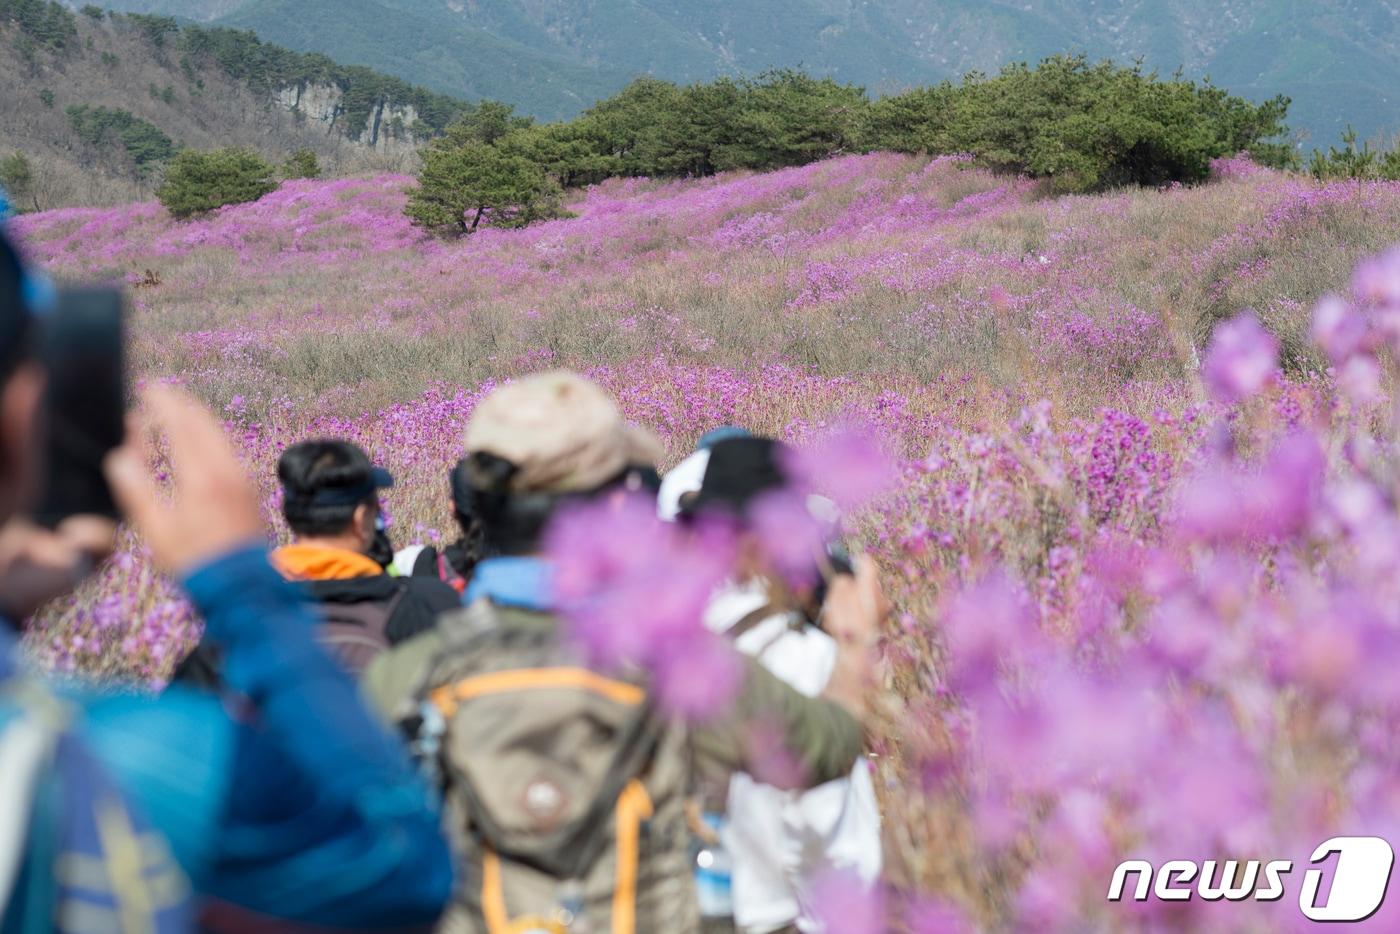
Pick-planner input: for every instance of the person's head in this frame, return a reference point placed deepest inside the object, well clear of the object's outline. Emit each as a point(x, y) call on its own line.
point(537, 444)
point(330, 493)
point(21, 388)
point(739, 471)
point(682, 481)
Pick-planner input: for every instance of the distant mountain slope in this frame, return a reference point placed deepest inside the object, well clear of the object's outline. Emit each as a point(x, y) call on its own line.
point(1338, 59)
point(432, 47)
point(198, 10)
point(96, 103)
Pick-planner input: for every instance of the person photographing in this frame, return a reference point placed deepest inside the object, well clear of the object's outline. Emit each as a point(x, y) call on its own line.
point(125, 812)
point(779, 840)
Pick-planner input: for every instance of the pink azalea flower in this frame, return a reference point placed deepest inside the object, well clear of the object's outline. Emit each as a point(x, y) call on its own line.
point(633, 591)
point(1337, 328)
point(1377, 280)
point(846, 465)
point(1241, 359)
point(1227, 502)
point(986, 627)
point(789, 535)
point(843, 903)
point(930, 916)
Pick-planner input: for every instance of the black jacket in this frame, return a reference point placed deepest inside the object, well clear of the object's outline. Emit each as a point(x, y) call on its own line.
point(413, 603)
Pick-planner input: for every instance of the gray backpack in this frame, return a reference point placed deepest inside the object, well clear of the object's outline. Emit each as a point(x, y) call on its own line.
point(354, 633)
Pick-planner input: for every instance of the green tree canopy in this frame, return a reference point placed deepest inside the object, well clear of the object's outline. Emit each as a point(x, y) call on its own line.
point(1083, 126)
point(198, 182)
point(466, 184)
point(146, 144)
point(1356, 161)
point(787, 118)
point(302, 164)
point(486, 122)
point(43, 21)
point(17, 178)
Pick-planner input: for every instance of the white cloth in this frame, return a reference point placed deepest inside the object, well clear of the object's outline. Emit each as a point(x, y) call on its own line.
point(681, 479)
point(781, 841)
point(405, 559)
point(25, 746)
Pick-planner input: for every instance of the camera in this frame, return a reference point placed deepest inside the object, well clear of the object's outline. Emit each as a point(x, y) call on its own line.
point(82, 347)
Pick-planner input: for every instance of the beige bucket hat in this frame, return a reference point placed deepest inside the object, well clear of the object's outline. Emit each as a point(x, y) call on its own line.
point(563, 433)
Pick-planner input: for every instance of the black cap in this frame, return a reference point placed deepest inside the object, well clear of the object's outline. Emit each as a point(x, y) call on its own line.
point(740, 470)
point(377, 479)
point(329, 472)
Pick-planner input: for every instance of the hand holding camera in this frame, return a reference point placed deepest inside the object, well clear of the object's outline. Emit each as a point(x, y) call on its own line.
point(213, 508)
point(48, 553)
point(93, 464)
point(854, 609)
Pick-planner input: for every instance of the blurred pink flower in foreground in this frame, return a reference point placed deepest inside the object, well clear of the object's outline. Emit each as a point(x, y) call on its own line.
point(1377, 279)
point(633, 591)
point(846, 465)
point(935, 917)
point(789, 534)
point(1232, 502)
point(1337, 329)
point(846, 905)
point(988, 627)
point(1241, 358)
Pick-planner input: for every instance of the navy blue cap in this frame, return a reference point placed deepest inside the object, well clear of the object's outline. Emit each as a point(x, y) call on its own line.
point(379, 479)
point(723, 433)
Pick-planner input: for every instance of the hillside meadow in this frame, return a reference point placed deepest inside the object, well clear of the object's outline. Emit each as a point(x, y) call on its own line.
point(1139, 612)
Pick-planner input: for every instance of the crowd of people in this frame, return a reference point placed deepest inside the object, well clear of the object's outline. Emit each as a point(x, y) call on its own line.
point(373, 740)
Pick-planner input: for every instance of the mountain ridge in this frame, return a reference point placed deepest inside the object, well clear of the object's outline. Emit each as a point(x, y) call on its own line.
point(1322, 53)
point(95, 103)
point(1338, 59)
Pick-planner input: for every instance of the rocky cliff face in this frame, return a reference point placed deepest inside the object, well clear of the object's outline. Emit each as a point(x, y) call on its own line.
point(389, 127)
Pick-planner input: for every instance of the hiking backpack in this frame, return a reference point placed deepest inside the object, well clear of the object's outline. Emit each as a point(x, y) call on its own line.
point(354, 633)
point(554, 777)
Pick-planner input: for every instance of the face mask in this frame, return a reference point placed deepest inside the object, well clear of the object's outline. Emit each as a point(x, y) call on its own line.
point(380, 549)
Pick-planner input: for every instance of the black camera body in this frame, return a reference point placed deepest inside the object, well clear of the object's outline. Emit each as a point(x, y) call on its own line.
point(82, 348)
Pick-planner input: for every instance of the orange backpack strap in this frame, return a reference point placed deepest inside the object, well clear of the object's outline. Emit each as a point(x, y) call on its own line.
point(493, 905)
point(448, 697)
point(633, 808)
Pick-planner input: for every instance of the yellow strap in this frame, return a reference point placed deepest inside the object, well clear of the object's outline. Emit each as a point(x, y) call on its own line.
point(633, 807)
point(448, 697)
point(493, 895)
point(493, 904)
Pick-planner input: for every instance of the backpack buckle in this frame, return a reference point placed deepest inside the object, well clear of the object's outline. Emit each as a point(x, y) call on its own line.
point(425, 740)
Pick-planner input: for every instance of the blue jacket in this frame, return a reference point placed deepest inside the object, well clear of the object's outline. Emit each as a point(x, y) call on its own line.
point(73, 854)
point(294, 803)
